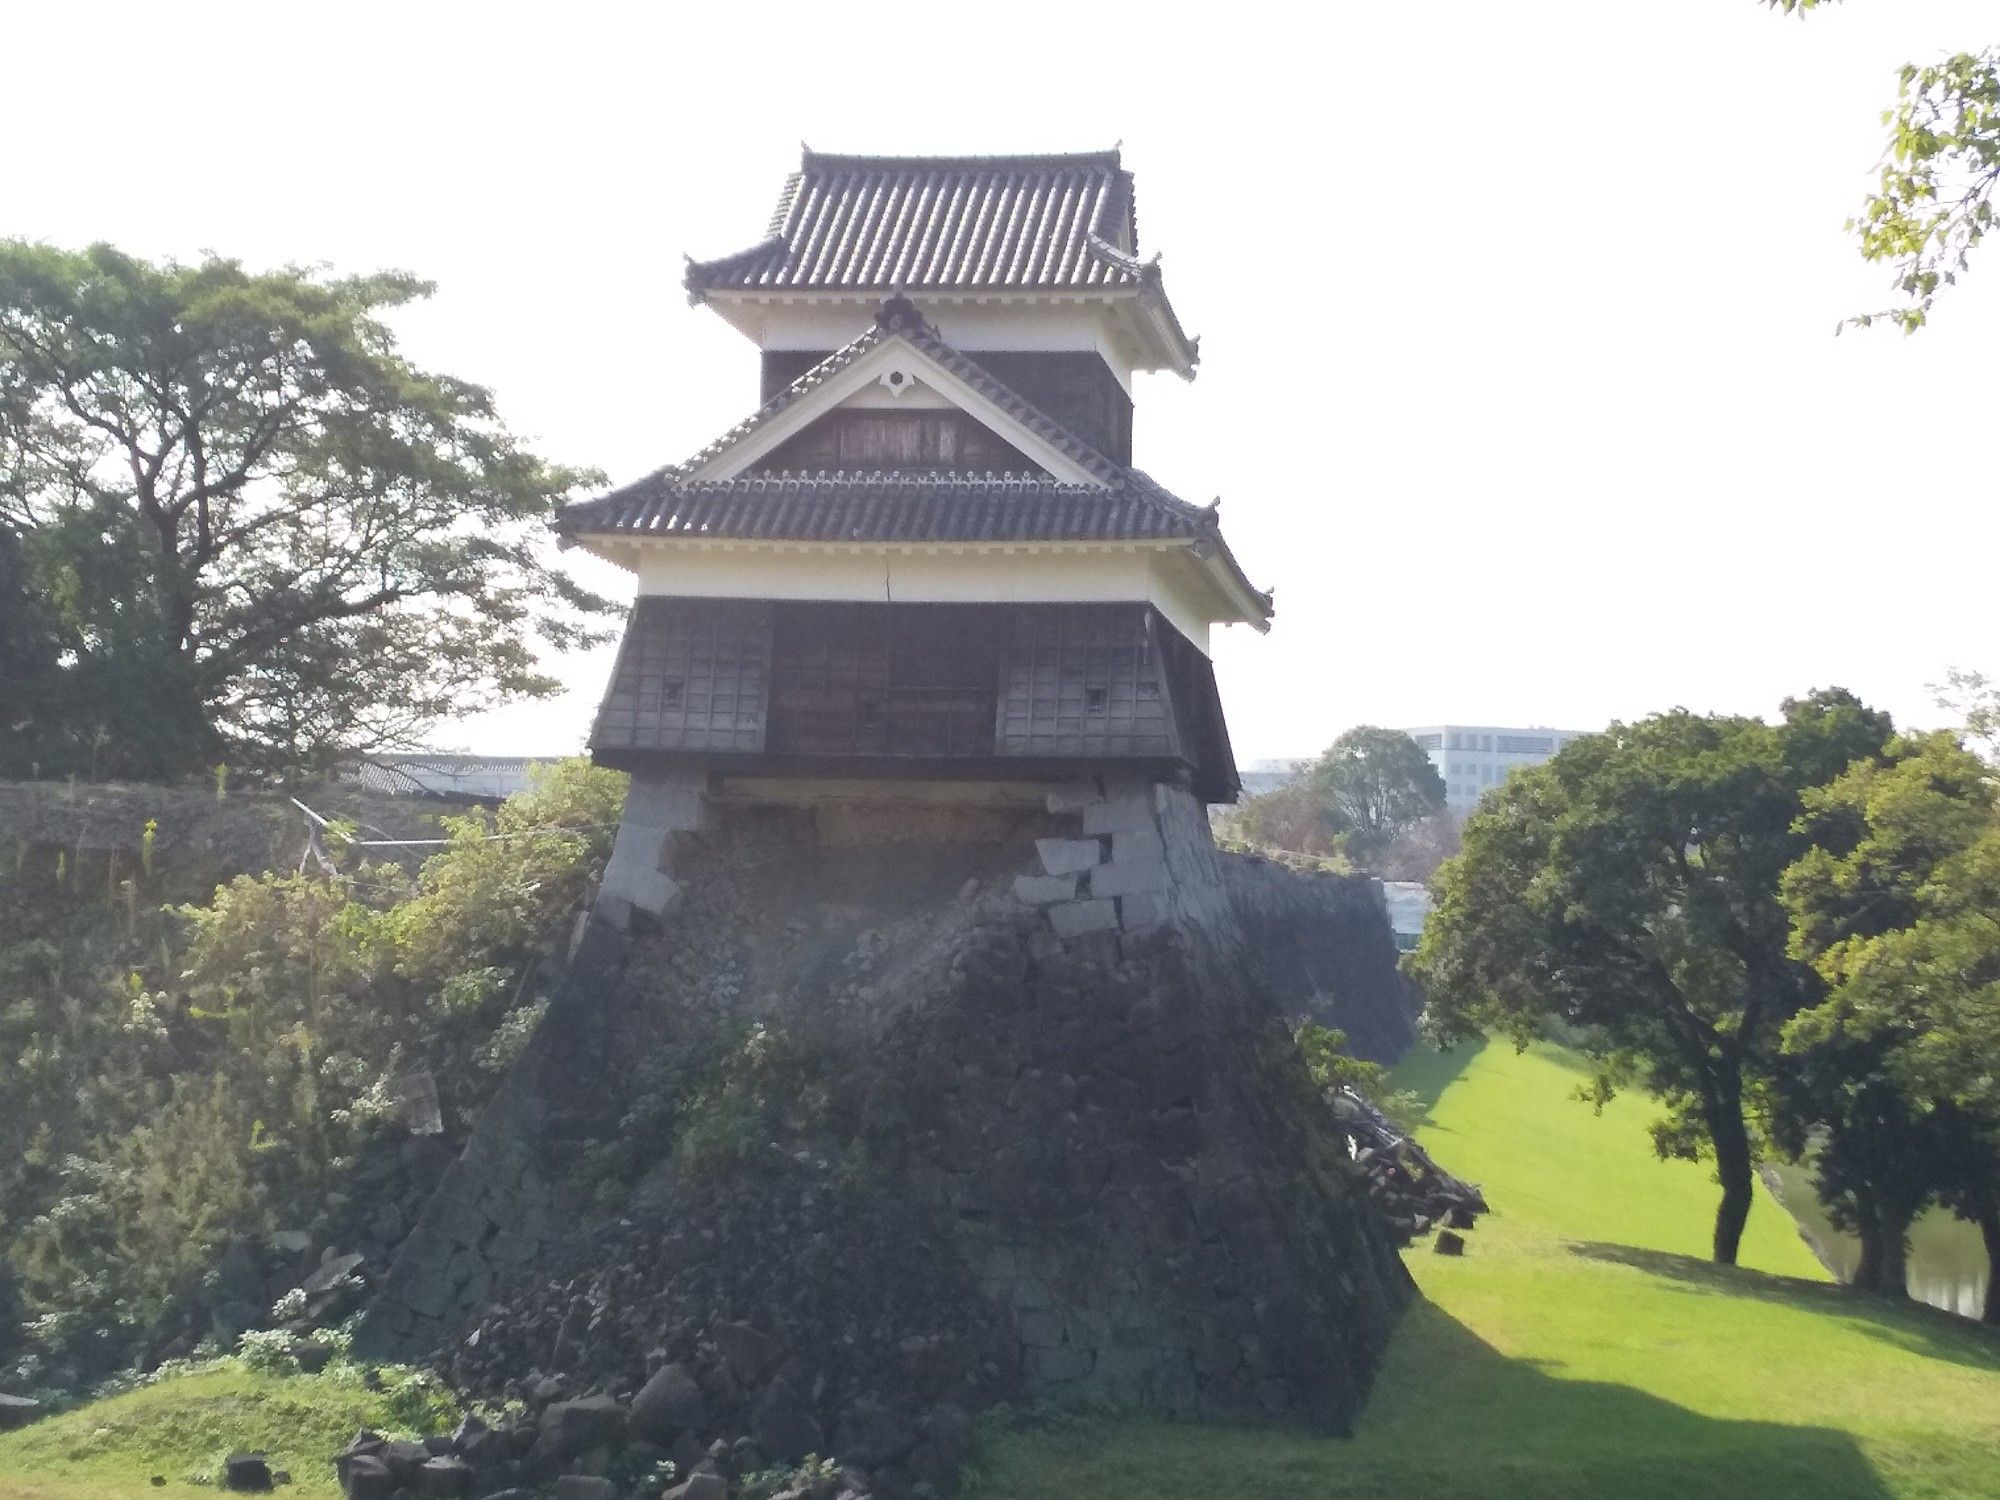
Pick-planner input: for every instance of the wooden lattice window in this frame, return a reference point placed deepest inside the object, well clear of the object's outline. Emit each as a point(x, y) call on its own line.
point(691, 675)
point(1084, 680)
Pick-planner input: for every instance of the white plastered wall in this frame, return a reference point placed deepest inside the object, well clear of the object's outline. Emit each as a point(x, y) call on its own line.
point(1081, 323)
point(1095, 575)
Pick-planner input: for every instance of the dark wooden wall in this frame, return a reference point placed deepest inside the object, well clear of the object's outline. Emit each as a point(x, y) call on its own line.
point(905, 440)
point(974, 685)
point(1075, 387)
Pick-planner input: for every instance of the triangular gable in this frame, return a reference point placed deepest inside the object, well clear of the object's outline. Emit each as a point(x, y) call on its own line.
point(901, 351)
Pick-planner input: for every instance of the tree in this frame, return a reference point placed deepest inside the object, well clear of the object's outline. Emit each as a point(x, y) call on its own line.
point(1624, 896)
point(257, 531)
point(28, 658)
point(1975, 698)
point(1895, 908)
point(1933, 202)
point(1291, 818)
point(1417, 852)
point(1374, 784)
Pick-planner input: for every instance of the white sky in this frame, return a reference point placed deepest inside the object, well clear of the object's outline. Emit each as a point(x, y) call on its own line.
point(1519, 381)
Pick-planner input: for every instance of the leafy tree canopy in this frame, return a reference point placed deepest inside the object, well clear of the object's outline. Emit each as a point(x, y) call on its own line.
point(1933, 201)
point(1625, 896)
point(248, 528)
point(1894, 906)
point(1897, 907)
point(1375, 783)
point(1370, 787)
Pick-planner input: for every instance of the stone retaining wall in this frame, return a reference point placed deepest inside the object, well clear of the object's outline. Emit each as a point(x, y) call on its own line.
point(1085, 1068)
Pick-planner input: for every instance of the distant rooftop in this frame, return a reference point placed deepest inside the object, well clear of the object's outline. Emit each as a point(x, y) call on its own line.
point(471, 778)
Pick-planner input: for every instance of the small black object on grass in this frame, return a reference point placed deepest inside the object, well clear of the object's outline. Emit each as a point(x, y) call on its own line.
point(1448, 1243)
point(246, 1472)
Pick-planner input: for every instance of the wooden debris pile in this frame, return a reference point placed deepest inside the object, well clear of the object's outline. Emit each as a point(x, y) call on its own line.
point(1415, 1194)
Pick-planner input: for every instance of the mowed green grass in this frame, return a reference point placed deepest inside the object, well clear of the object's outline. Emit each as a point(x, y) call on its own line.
point(1585, 1347)
point(180, 1429)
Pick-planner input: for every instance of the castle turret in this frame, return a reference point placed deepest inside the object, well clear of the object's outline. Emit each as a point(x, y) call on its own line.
point(926, 556)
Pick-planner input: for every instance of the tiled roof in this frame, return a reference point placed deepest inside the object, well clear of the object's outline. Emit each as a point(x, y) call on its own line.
point(892, 506)
point(899, 317)
point(962, 222)
point(905, 506)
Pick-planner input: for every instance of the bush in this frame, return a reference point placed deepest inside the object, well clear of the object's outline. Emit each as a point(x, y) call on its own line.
point(1332, 1068)
point(126, 1244)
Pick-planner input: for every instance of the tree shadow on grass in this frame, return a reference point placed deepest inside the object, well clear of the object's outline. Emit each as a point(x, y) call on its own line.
point(1449, 1415)
point(1928, 1331)
point(1427, 1072)
point(1507, 1426)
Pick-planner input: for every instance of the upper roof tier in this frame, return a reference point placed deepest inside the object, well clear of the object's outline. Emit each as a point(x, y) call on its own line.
point(948, 228)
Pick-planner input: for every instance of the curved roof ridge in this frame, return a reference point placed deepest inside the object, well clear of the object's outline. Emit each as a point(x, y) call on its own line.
point(1111, 158)
point(930, 479)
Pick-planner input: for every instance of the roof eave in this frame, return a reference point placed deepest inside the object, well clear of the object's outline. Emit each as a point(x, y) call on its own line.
point(1183, 352)
point(1254, 606)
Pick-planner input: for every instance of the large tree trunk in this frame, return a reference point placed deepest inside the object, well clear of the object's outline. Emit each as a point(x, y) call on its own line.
point(1882, 1220)
point(1895, 1234)
point(1868, 1229)
point(1733, 1168)
point(1989, 1231)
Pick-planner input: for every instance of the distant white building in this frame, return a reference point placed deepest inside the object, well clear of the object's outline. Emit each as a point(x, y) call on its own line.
point(1475, 758)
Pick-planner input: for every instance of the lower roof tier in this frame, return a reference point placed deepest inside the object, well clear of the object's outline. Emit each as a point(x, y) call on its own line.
point(701, 536)
point(846, 689)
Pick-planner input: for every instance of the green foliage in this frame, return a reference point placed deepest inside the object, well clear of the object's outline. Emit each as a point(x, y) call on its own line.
point(510, 1038)
point(179, 1422)
point(723, 1100)
point(236, 517)
point(1975, 699)
point(1331, 1067)
point(233, 1091)
point(126, 1243)
point(1895, 909)
point(504, 879)
point(1375, 783)
point(1933, 201)
point(1289, 821)
point(1626, 894)
point(1370, 786)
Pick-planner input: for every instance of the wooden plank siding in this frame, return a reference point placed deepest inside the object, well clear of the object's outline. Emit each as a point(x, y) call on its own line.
point(866, 441)
point(928, 689)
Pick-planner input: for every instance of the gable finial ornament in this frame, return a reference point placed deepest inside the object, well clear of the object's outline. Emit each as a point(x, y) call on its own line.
point(898, 313)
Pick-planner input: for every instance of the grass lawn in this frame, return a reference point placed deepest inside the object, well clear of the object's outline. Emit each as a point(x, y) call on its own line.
point(1583, 1348)
point(183, 1426)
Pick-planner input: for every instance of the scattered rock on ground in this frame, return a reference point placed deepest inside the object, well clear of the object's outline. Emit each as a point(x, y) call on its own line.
point(247, 1473)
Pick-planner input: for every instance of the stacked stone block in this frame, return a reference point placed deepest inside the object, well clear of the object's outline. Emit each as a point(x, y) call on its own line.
point(1113, 875)
point(660, 807)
